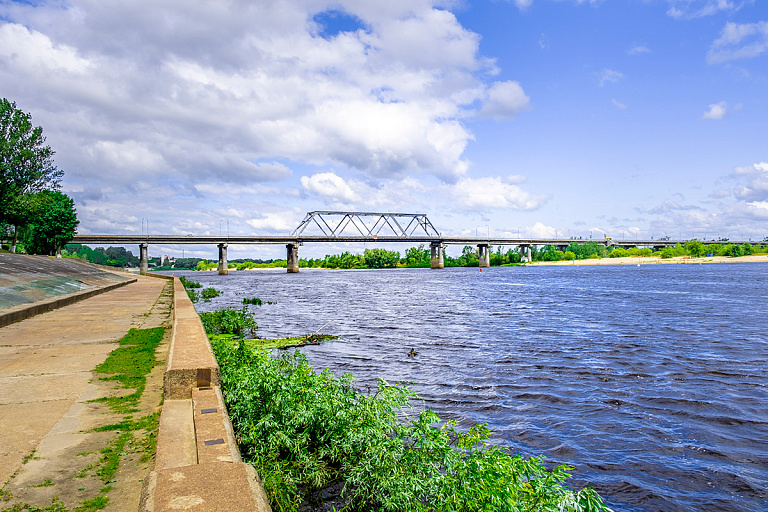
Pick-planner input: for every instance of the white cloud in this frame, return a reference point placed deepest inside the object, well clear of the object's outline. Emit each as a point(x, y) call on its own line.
point(739, 41)
point(716, 111)
point(505, 101)
point(493, 193)
point(689, 9)
point(274, 222)
point(619, 105)
point(352, 194)
point(609, 75)
point(330, 186)
point(224, 89)
point(756, 188)
point(32, 52)
point(638, 49)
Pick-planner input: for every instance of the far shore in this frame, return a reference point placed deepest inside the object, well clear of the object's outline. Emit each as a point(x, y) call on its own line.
point(654, 260)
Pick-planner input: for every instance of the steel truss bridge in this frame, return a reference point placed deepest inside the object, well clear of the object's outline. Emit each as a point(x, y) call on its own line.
point(366, 227)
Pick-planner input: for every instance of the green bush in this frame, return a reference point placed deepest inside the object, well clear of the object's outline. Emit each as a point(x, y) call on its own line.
point(254, 301)
point(188, 283)
point(209, 293)
point(618, 252)
point(229, 321)
point(303, 431)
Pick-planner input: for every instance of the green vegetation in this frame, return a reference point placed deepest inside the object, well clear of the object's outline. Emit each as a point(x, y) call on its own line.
point(188, 283)
point(31, 207)
point(209, 293)
point(238, 322)
point(129, 365)
point(269, 344)
point(304, 431)
point(256, 301)
point(111, 256)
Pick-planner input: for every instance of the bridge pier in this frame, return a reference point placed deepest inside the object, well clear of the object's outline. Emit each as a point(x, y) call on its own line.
point(143, 260)
point(437, 255)
point(484, 255)
point(525, 253)
point(292, 258)
point(223, 266)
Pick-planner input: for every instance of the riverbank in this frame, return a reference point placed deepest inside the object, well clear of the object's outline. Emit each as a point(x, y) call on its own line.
point(654, 261)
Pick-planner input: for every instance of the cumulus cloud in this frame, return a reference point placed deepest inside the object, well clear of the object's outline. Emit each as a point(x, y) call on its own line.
point(715, 112)
point(330, 186)
point(256, 81)
point(689, 9)
point(739, 41)
point(494, 193)
point(505, 101)
point(609, 75)
point(756, 187)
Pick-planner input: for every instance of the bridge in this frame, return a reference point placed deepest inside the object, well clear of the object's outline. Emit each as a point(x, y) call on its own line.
point(366, 227)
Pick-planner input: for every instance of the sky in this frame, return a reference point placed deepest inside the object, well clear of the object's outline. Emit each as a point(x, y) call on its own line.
point(577, 118)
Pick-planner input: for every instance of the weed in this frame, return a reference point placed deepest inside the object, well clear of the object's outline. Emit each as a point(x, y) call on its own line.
point(229, 321)
point(45, 483)
point(188, 283)
point(209, 293)
point(303, 431)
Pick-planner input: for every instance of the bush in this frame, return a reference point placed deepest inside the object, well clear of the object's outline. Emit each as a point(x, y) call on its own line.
point(303, 431)
point(229, 321)
point(188, 283)
point(209, 293)
point(618, 252)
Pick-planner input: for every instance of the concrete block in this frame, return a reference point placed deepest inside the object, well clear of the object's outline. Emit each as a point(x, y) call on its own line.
point(213, 487)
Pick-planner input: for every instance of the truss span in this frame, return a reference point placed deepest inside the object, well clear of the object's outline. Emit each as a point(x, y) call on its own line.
point(368, 225)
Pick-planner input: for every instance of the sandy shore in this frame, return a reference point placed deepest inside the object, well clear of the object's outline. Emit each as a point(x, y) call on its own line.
point(655, 261)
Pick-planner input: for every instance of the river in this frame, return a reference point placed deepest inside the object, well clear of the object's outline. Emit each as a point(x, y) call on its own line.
point(651, 381)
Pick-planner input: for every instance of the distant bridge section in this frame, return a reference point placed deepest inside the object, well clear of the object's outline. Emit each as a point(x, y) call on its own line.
point(370, 227)
point(399, 225)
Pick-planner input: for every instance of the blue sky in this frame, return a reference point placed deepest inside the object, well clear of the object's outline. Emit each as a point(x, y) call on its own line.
point(541, 117)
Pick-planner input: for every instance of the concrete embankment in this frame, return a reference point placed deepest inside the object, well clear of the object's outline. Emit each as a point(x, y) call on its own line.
point(198, 465)
point(50, 422)
point(31, 285)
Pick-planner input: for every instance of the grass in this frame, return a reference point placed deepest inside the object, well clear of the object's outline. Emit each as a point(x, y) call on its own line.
point(129, 366)
point(267, 344)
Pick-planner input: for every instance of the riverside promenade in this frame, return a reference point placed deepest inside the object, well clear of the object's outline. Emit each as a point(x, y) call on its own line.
point(55, 439)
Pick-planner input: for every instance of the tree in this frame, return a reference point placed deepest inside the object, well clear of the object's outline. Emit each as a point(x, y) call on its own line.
point(54, 222)
point(26, 165)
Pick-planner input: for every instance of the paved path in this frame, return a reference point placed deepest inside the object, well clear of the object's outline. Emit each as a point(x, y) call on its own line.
point(46, 379)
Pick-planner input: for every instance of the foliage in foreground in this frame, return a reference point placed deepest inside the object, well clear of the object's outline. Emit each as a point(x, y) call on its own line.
point(303, 431)
point(229, 321)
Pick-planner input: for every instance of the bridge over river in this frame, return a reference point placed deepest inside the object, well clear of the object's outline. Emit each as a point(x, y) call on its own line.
point(366, 227)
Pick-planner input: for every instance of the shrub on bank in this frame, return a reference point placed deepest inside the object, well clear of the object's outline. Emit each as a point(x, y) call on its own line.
point(303, 430)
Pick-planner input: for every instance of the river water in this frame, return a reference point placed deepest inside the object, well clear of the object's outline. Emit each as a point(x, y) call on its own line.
point(651, 381)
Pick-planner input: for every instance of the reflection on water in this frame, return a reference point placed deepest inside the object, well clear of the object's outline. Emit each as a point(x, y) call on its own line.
point(650, 380)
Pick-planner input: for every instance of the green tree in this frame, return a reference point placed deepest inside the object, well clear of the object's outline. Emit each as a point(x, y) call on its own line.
point(54, 224)
point(695, 248)
point(26, 165)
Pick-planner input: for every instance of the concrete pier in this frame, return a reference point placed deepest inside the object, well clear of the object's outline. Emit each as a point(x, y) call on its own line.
point(223, 268)
point(292, 258)
point(143, 260)
point(436, 255)
point(484, 255)
point(525, 253)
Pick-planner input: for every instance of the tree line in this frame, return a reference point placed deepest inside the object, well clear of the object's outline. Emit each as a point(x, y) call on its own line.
point(34, 213)
point(419, 257)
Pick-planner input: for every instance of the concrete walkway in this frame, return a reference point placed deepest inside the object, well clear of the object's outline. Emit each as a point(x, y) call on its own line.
point(46, 380)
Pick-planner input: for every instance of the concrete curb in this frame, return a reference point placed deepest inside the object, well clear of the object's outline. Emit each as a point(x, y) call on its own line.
point(24, 311)
point(197, 465)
